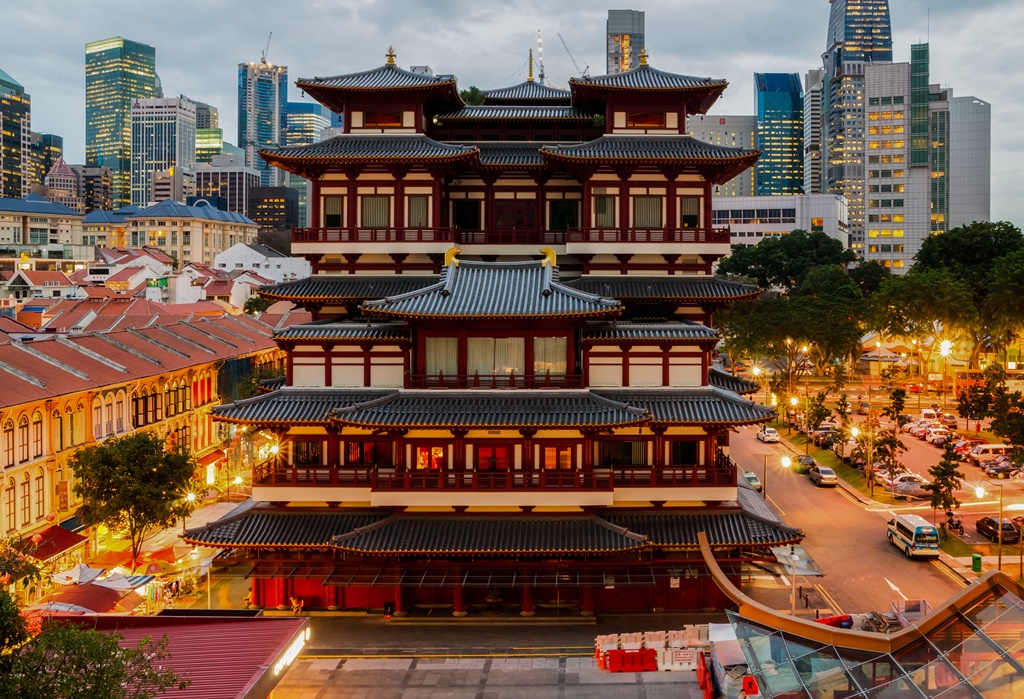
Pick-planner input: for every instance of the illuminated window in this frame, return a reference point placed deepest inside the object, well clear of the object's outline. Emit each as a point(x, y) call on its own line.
point(645, 120)
point(897, 233)
point(898, 174)
point(558, 458)
point(873, 130)
point(430, 458)
point(382, 120)
point(497, 457)
point(899, 128)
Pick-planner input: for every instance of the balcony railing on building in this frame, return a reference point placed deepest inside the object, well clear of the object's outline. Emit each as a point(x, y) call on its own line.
point(494, 381)
point(600, 478)
point(511, 237)
point(648, 235)
point(373, 235)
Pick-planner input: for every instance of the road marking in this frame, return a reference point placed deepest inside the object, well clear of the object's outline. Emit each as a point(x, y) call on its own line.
point(828, 599)
point(949, 574)
point(849, 497)
point(895, 589)
point(785, 580)
point(779, 509)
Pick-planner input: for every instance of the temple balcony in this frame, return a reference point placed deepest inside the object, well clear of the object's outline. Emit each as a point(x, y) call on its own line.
point(600, 486)
point(655, 240)
point(496, 381)
point(383, 240)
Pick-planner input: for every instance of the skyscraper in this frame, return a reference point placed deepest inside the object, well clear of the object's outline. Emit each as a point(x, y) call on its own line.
point(859, 34)
point(44, 151)
point(95, 185)
point(813, 127)
point(207, 116)
point(306, 120)
point(625, 40)
point(15, 137)
point(62, 183)
point(262, 114)
point(117, 71)
point(780, 134)
point(163, 136)
point(733, 131)
point(970, 161)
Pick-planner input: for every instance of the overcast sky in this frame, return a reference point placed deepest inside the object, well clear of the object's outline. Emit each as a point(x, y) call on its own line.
point(974, 48)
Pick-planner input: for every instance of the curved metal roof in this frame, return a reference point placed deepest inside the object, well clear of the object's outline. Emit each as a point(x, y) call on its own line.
point(494, 409)
point(293, 405)
point(513, 112)
point(703, 405)
point(674, 288)
point(257, 527)
point(671, 530)
point(343, 288)
point(388, 76)
point(372, 148)
point(527, 91)
point(618, 331)
point(344, 332)
point(509, 153)
point(660, 148)
point(728, 382)
point(469, 289)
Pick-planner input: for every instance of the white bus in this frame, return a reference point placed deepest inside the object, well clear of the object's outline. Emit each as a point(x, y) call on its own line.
point(914, 535)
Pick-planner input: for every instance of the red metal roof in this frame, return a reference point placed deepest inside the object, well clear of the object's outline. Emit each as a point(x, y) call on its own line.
point(225, 658)
point(56, 540)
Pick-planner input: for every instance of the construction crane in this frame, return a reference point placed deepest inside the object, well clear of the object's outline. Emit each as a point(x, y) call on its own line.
point(263, 56)
point(585, 72)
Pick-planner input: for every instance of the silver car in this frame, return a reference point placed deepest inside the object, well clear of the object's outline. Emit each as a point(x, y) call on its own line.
point(823, 476)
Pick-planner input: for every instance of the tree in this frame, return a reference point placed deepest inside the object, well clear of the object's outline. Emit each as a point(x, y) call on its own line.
point(947, 479)
point(783, 261)
point(1004, 304)
point(133, 484)
point(252, 386)
point(68, 661)
point(256, 304)
point(869, 276)
point(472, 95)
point(817, 413)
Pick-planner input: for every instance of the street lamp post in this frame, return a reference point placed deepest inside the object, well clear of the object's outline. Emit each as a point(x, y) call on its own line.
point(190, 498)
point(945, 347)
point(980, 492)
point(792, 598)
point(792, 405)
point(757, 380)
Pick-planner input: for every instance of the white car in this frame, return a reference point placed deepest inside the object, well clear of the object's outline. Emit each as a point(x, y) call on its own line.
point(768, 434)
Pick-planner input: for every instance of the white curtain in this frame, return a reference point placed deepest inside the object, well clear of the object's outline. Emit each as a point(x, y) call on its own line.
point(647, 212)
point(442, 355)
point(418, 211)
point(490, 355)
point(604, 212)
point(549, 355)
point(376, 210)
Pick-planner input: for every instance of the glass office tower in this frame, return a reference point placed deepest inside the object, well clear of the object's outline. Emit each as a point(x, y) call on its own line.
point(859, 34)
point(15, 137)
point(117, 71)
point(262, 114)
point(780, 134)
point(624, 33)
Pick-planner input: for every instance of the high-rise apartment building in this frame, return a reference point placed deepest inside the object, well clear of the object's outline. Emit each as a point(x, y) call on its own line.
point(262, 114)
point(95, 186)
point(780, 134)
point(859, 34)
point(15, 137)
point(227, 177)
point(813, 130)
point(306, 123)
point(117, 71)
point(163, 132)
point(625, 40)
point(732, 131)
point(927, 163)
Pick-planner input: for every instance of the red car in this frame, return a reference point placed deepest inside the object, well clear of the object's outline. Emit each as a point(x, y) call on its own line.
point(912, 387)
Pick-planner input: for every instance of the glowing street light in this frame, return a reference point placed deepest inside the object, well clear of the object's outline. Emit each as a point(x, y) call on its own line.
point(980, 492)
point(945, 349)
point(190, 498)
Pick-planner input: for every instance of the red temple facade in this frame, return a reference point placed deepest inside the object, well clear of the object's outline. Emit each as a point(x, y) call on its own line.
point(506, 400)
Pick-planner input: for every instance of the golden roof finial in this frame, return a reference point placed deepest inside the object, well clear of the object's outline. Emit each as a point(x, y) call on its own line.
point(529, 77)
point(449, 256)
point(391, 55)
point(549, 257)
point(643, 57)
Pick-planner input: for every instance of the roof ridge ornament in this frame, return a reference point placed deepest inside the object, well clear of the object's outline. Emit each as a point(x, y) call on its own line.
point(529, 77)
point(549, 257)
point(391, 56)
point(643, 57)
point(449, 257)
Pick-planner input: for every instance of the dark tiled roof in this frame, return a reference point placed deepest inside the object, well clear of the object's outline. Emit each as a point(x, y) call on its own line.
point(375, 148)
point(490, 409)
point(644, 77)
point(345, 288)
point(35, 204)
point(513, 112)
point(476, 534)
point(387, 76)
point(705, 405)
point(679, 530)
point(268, 385)
point(660, 148)
point(636, 288)
point(256, 527)
point(625, 330)
point(527, 92)
point(351, 332)
point(727, 381)
point(294, 406)
point(511, 153)
point(479, 290)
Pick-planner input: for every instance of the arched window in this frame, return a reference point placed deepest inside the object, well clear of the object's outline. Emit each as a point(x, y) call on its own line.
point(57, 431)
point(168, 403)
point(40, 495)
point(108, 415)
point(69, 427)
point(97, 418)
point(37, 435)
point(8, 443)
point(9, 509)
point(119, 413)
point(80, 423)
point(151, 407)
point(26, 499)
point(23, 439)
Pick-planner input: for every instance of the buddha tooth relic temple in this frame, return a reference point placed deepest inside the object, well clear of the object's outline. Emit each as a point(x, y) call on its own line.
point(506, 398)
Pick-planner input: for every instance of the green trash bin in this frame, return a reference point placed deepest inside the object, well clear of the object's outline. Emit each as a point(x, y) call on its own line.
point(976, 563)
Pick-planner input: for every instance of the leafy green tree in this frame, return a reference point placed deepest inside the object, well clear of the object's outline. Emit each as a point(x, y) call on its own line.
point(71, 662)
point(947, 479)
point(252, 386)
point(472, 95)
point(256, 304)
point(17, 565)
point(784, 261)
point(843, 409)
point(1004, 303)
point(133, 484)
point(817, 412)
point(869, 276)
point(13, 633)
point(974, 403)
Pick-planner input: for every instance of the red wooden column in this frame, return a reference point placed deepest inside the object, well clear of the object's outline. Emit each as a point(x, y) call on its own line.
point(459, 597)
point(400, 609)
point(527, 448)
point(398, 203)
point(328, 365)
point(587, 608)
point(351, 201)
point(587, 205)
point(459, 449)
point(331, 596)
point(708, 216)
point(659, 446)
point(624, 200)
point(333, 453)
point(529, 607)
point(588, 450)
point(671, 201)
point(399, 449)
point(315, 204)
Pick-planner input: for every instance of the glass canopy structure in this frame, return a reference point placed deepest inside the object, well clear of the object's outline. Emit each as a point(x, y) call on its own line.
point(971, 647)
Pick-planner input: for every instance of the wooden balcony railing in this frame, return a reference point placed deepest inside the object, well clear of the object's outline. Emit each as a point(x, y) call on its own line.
point(648, 235)
point(516, 237)
point(372, 235)
point(494, 381)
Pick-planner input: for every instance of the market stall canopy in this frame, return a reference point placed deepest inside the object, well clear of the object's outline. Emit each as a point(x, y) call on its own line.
point(120, 581)
point(95, 598)
point(80, 574)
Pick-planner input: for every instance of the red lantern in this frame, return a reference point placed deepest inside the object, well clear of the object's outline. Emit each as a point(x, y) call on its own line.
point(36, 538)
point(51, 517)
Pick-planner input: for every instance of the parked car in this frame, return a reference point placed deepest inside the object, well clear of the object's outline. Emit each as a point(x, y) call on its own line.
point(912, 425)
point(965, 444)
point(1007, 469)
point(804, 464)
point(923, 428)
point(939, 434)
point(845, 450)
point(912, 387)
point(826, 440)
point(864, 408)
point(753, 480)
point(994, 462)
point(768, 434)
point(949, 420)
point(905, 477)
point(989, 527)
point(823, 475)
